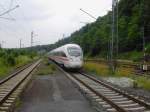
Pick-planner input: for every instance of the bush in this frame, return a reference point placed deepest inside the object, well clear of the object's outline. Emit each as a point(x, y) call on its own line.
point(10, 60)
point(148, 48)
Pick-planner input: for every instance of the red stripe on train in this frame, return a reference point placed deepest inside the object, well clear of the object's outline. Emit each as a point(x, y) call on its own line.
point(61, 58)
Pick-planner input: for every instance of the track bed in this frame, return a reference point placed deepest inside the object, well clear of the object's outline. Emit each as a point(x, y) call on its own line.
point(53, 93)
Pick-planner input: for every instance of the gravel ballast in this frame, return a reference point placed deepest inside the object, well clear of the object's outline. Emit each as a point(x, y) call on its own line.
point(121, 84)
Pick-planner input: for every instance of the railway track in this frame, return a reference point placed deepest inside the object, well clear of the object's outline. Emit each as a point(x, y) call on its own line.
point(106, 96)
point(12, 86)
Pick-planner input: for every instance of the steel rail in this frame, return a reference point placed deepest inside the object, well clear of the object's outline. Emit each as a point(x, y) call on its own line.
point(118, 91)
point(14, 74)
point(113, 104)
point(118, 108)
point(13, 88)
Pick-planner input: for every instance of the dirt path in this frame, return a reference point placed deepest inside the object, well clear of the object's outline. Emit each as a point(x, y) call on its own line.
point(53, 93)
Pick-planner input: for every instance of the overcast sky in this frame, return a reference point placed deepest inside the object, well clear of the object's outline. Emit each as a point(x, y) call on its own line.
point(49, 19)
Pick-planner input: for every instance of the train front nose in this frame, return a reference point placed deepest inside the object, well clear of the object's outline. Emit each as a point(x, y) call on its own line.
point(75, 63)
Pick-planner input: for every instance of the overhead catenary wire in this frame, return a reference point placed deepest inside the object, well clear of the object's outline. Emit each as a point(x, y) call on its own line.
point(88, 14)
point(2, 16)
point(22, 29)
point(9, 10)
point(10, 17)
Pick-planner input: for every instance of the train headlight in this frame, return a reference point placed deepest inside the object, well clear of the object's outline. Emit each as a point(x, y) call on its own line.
point(71, 59)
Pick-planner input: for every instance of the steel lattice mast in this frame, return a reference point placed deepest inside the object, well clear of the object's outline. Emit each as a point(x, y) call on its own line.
point(114, 36)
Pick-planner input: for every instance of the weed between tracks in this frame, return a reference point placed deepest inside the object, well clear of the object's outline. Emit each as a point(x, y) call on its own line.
point(143, 82)
point(18, 103)
point(102, 69)
point(46, 68)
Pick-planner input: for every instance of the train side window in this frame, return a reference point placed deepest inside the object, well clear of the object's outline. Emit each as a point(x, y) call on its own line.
point(56, 54)
point(59, 53)
point(63, 54)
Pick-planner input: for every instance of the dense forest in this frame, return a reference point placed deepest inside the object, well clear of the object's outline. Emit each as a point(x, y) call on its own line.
point(133, 25)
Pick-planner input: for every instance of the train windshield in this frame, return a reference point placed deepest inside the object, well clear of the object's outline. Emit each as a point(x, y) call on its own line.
point(73, 51)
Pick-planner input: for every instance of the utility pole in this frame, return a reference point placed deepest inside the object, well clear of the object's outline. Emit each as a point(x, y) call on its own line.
point(63, 36)
point(1, 44)
point(20, 43)
point(141, 5)
point(117, 35)
point(143, 36)
point(114, 42)
point(32, 38)
point(114, 37)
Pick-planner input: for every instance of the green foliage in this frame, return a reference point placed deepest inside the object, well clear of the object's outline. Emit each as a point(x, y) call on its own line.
point(148, 48)
point(11, 58)
point(101, 69)
point(22, 59)
point(133, 55)
point(95, 37)
point(143, 82)
point(97, 68)
point(46, 68)
point(32, 54)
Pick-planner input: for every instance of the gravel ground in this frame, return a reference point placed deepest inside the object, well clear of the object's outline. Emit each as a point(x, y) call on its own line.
point(53, 93)
point(123, 81)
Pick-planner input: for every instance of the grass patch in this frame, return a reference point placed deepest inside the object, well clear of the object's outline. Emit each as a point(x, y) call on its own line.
point(133, 55)
point(18, 103)
point(142, 82)
point(46, 68)
point(21, 60)
point(6, 69)
point(97, 68)
point(101, 69)
point(124, 72)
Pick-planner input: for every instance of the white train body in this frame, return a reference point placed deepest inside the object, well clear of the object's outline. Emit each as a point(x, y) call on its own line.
point(69, 55)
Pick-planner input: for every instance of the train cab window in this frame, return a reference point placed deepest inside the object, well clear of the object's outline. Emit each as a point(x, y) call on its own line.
point(73, 51)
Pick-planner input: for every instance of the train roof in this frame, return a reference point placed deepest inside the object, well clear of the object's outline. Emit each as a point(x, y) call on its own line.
point(71, 45)
point(65, 46)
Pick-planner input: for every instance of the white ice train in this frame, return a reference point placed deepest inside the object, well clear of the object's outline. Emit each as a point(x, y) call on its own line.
point(70, 56)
